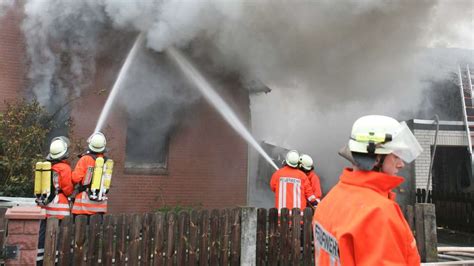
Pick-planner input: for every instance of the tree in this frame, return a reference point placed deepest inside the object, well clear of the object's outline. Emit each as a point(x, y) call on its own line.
point(23, 129)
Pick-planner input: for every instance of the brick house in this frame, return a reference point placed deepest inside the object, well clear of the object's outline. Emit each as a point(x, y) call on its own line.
point(205, 163)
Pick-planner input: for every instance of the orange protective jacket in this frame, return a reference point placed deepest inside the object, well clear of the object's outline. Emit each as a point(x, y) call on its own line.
point(292, 188)
point(315, 184)
point(82, 175)
point(359, 223)
point(59, 206)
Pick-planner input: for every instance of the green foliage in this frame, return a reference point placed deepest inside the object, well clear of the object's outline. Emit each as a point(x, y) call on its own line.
point(23, 128)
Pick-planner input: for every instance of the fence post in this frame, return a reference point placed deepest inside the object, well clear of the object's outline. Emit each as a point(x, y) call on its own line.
point(248, 244)
point(23, 233)
point(426, 237)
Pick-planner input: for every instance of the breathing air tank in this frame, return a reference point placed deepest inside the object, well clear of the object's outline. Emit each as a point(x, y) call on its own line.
point(109, 167)
point(97, 178)
point(46, 179)
point(38, 173)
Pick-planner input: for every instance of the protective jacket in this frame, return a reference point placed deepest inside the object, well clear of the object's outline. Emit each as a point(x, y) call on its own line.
point(82, 175)
point(292, 188)
point(59, 205)
point(315, 184)
point(359, 223)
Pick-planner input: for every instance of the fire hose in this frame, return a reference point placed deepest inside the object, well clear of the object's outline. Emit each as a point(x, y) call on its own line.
point(455, 253)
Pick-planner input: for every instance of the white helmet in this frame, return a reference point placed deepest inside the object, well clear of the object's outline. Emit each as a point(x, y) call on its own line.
point(306, 162)
point(292, 158)
point(97, 142)
point(58, 149)
point(376, 134)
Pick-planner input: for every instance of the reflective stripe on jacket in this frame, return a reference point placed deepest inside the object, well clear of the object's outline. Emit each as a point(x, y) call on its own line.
point(82, 203)
point(291, 187)
point(62, 182)
point(359, 223)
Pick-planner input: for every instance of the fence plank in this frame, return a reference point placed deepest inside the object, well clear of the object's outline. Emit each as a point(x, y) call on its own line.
point(171, 239)
point(296, 236)
point(65, 239)
point(93, 239)
point(51, 238)
point(159, 237)
point(147, 227)
point(193, 237)
point(121, 238)
point(134, 239)
point(261, 236)
point(273, 237)
point(214, 239)
point(80, 240)
point(235, 236)
point(284, 237)
point(108, 247)
point(431, 240)
point(307, 235)
point(204, 231)
point(183, 226)
point(225, 225)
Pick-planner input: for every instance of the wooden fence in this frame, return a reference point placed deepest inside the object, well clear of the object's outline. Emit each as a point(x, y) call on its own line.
point(454, 210)
point(198, 237)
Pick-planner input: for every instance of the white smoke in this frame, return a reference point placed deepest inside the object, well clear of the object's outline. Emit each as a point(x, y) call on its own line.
point(326, 61)
point(328, 47)
point(5, 5)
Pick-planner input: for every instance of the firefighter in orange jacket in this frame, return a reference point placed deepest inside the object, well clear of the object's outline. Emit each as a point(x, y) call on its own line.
point(82, 176)
point(57, 203)
point(358, 222)
point(306, 165)
point(291, 186)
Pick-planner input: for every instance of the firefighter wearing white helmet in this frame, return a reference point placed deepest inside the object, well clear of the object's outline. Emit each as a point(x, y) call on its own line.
point(290, 185)
point(53, 185)
point(306, 165)
point(97, 142)
point(378, 148)
point(93, 174)
point(292, 158)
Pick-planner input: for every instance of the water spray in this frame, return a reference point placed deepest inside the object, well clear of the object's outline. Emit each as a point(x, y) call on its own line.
point(118, 82)
point(216, 101)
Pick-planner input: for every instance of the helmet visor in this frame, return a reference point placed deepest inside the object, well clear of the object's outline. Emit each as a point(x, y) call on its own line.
point(404, 144)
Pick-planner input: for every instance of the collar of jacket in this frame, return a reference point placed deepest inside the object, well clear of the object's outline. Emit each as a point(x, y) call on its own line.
point(380, 182)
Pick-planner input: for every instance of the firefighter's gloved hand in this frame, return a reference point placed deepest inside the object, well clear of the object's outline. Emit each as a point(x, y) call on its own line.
point(314, 203)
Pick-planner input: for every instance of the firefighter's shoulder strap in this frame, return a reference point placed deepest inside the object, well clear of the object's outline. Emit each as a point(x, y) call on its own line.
point(90, 171)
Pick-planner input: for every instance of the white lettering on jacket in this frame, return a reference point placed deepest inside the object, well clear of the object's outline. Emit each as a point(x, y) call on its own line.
point(327, 241)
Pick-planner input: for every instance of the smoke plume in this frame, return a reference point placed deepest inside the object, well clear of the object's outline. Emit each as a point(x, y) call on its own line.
point(5, 5)
point(327, 62)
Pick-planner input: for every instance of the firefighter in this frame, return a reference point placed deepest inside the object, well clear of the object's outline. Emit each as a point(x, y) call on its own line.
point(306, 165)
point(291, 186)
point(358, 222)
point(60, 186)
point(83, 174)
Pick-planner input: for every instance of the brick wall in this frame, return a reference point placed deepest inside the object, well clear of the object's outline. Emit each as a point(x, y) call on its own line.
point(426, 140)
point(12, 56)
point(207, 159)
